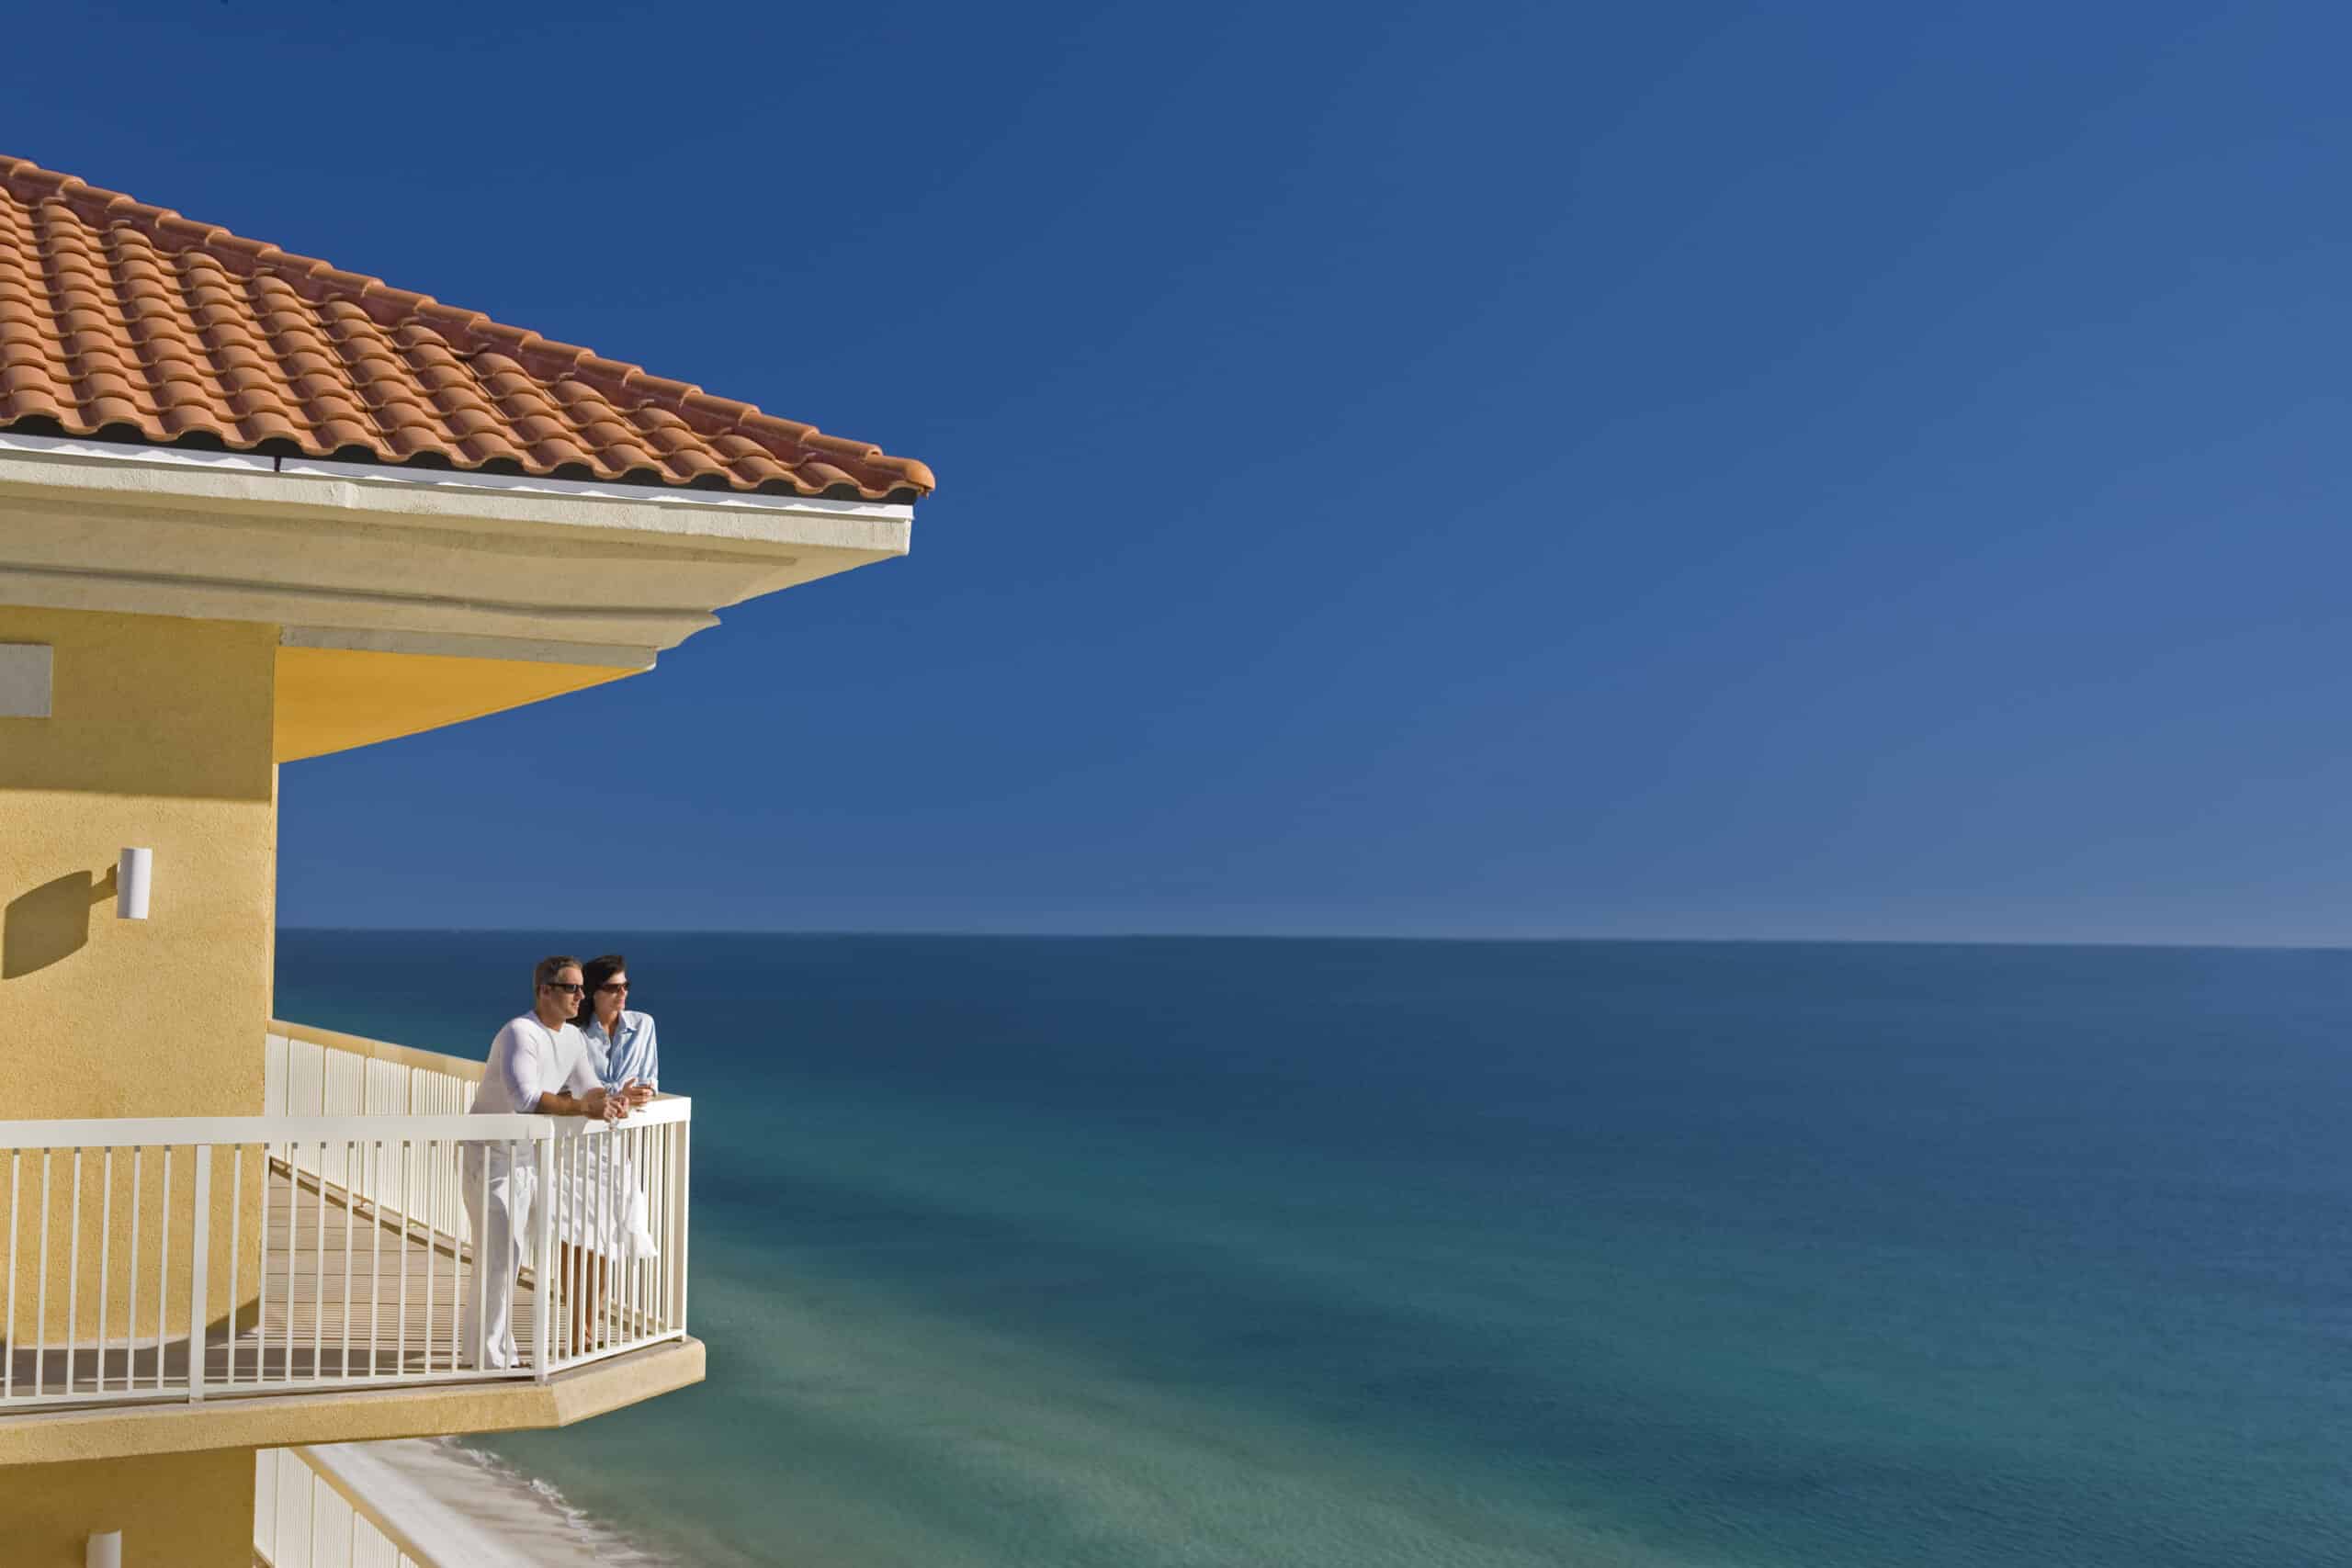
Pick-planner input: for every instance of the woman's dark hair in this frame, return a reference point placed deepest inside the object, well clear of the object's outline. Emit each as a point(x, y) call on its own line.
point(593, 974)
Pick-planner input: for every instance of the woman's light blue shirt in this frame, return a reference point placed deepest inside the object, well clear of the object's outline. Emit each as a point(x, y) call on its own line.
point(633, 1055)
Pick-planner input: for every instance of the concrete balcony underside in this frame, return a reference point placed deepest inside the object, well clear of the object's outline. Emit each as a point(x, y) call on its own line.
point(363, 1415)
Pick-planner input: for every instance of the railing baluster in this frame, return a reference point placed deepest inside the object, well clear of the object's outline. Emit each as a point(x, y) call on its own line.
point(164, 1268)
point(649, 1269)
point(319, 1268)
point(40, 1324)
point(623, 1266)
point(615, 1289)
point(667, 1235)
point(261, 1277)
point(648, 1178)
point(686, 1157)
point(559, 1260)
point(551, 1267)
point(654, 1226)
point(483, 1276)
point(376, 1258)
point(575, 1189)
point(453, 1186)
point(583, 1197)
point(673, 1227)
point(543, 1324)
point(599, 1157)
point(293, 1246)
point(646, 1272)
point(400, 1357)
point(350, 1207)
point(106, 1237)
point(431, 1254)
point(199, 1256)
point(616, 1263)
point(661, 1217)
point(74, 1273)
point(236, 1214)
point(16, 1173)
point(641, 1269)
point(138, 1203)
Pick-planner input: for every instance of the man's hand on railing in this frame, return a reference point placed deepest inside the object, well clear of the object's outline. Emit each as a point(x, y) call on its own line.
point(596, 1104)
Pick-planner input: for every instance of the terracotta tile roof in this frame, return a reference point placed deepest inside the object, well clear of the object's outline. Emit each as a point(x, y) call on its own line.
point(129, 322)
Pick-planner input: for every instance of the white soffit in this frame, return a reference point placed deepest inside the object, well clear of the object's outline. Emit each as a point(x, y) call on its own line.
point(359, 555)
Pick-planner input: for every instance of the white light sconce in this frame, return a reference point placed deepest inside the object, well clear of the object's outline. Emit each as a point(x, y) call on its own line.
point(105, 1546)
point(133, 875)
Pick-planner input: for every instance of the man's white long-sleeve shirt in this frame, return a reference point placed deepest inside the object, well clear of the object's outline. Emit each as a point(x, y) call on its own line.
point(527, 1060)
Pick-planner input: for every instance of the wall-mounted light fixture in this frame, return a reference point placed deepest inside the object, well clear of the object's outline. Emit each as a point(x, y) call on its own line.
point(132, 876)
point(105, 1549)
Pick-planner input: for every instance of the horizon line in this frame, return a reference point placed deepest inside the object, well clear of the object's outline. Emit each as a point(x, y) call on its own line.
point(968, 935)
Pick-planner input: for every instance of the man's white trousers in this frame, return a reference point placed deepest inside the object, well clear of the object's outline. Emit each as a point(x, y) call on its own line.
point(501, 1211)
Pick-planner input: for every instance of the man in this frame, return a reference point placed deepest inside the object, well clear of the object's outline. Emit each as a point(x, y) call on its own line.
point(538, 1064)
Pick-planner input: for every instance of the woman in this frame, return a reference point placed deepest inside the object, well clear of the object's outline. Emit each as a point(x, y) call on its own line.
point(602, 1207)
point(620, 1042)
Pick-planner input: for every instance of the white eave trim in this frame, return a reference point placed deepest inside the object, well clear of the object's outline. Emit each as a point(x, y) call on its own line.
point(153, 456)
point(549, 569)
point(643, 495)
point(448, 480)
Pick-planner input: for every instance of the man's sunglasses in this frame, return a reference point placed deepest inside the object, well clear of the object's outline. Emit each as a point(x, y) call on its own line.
point(574, 987)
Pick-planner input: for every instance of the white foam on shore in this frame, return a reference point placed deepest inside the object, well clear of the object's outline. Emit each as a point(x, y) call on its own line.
point(466, 1507)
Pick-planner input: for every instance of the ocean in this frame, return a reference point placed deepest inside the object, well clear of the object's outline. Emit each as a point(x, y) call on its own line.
point(1171, 1253)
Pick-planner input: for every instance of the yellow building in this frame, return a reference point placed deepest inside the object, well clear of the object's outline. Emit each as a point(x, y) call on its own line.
point(254, 509)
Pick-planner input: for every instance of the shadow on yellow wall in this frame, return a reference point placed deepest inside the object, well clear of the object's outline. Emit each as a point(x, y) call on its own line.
point(50, 922)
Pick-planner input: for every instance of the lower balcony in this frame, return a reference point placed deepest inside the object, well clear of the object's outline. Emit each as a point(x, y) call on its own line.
point(313, 1274)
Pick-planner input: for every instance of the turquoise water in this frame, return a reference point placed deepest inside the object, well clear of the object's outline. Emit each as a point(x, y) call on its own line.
point(1045, 1252)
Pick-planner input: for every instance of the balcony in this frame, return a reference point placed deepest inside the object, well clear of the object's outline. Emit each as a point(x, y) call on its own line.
point(304, 1275)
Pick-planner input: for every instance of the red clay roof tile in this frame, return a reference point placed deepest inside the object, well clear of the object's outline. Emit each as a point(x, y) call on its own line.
point(128, 321)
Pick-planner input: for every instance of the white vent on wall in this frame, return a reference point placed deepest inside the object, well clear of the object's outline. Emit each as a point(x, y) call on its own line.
point(24, 679)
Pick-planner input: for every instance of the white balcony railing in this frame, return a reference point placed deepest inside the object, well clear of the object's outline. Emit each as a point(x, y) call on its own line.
point(194, 1257)
point(308, 1516)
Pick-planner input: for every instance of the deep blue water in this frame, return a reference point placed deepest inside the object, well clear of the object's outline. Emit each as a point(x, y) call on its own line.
point(1047, 1252)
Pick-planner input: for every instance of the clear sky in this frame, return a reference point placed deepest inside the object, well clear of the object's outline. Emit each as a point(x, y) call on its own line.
point(1809, 471)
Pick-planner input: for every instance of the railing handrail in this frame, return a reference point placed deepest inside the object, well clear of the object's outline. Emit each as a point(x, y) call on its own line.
point(381, 1050)
point(667, 1107)
point(153, 1132)
point(466, 1067)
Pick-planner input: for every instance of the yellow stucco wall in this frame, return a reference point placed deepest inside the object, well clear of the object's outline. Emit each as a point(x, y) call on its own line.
point(174, 1510)
point(160, 735)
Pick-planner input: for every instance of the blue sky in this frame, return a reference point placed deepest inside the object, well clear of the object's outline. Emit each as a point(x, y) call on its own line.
point(1823, 471)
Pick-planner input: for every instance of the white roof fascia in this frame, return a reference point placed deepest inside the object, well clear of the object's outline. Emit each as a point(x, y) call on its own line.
point(446, 483)
point(360, 555)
